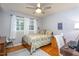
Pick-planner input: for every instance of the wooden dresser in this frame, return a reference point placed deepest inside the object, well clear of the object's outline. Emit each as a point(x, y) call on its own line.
point(3, 46)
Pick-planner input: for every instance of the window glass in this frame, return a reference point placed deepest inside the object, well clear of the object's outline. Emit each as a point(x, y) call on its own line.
point(19, 23)
point(31, 25)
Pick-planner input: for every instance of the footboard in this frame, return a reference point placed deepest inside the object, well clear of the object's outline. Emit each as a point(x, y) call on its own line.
point(26, 45)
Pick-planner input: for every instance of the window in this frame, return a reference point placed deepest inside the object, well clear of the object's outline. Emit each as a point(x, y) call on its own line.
point(19, 23)
point(31, 25)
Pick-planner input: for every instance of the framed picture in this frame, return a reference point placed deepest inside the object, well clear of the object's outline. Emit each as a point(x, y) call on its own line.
point(60, 26)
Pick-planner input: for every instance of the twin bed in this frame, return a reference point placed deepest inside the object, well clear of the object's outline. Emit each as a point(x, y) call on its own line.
point(36, 41)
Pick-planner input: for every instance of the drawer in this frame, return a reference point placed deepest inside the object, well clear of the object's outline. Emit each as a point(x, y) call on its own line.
point(2, 47)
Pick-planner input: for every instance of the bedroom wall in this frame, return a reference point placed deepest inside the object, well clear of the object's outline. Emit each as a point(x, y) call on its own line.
point(0, 19)
point(39, 23)
point(4, 23)
point(68, 18)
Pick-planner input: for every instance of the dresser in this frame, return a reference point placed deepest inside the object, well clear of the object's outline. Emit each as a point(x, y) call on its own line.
point(3, 46)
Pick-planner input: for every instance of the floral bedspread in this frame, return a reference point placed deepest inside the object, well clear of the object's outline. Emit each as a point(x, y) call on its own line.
point(37, 41)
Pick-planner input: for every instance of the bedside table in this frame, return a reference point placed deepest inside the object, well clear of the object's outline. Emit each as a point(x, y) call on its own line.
point(3, 46)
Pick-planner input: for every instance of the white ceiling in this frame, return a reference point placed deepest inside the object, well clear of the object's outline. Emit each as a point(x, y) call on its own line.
point(21, 7)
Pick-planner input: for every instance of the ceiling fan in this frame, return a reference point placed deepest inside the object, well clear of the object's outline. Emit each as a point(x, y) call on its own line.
point(38, 9)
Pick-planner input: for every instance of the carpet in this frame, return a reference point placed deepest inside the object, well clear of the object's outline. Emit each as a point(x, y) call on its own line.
point(25, 52)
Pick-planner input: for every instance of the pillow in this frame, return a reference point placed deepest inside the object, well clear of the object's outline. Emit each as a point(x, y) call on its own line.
point(42, 31)
point(48, 33)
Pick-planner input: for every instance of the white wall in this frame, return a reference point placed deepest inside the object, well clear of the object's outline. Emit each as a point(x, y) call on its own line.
point(0, 20)
point(39, 23)
point(68, 18)
point(4, 23)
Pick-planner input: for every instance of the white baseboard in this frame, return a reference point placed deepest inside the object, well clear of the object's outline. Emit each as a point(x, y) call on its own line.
point(17, 44)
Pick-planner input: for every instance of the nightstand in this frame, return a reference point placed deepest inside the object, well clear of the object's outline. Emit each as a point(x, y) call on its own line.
point(3, 46)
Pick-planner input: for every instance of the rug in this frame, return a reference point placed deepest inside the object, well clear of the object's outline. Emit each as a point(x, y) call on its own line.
point(25, 52)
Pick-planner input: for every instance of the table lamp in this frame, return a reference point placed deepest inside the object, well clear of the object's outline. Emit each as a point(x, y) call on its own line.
point(76, 27)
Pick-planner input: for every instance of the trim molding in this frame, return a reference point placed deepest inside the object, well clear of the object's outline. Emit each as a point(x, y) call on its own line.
point(17, 44)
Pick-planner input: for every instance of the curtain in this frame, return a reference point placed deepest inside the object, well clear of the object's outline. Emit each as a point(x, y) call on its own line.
point(26, 26)
point(35, 26)
point(13, 27)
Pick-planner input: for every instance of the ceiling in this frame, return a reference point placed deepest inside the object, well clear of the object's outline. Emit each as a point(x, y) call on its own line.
point(21, 7)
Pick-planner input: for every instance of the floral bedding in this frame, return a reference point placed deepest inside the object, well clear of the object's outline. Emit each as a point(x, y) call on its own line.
point(36, 41)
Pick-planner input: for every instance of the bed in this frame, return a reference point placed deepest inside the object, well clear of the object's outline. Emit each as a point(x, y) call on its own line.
point(36, 41)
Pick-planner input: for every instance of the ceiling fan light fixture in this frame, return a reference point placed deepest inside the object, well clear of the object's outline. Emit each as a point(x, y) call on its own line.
point(38, 10)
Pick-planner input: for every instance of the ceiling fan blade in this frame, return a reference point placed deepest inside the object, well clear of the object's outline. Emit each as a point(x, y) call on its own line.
point(30, 7)
point(48, 7)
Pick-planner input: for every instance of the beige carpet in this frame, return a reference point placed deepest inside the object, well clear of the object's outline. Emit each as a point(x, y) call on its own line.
point(25, 52)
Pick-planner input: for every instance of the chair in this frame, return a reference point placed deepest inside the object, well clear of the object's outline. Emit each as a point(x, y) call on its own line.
point(10, 42)
point(60, 41)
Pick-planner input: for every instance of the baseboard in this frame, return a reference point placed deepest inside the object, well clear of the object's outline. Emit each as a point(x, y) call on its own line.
point(17, 44)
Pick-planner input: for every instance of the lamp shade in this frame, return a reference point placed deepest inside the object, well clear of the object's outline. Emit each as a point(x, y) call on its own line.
point(38, 10)
point(76, 26)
